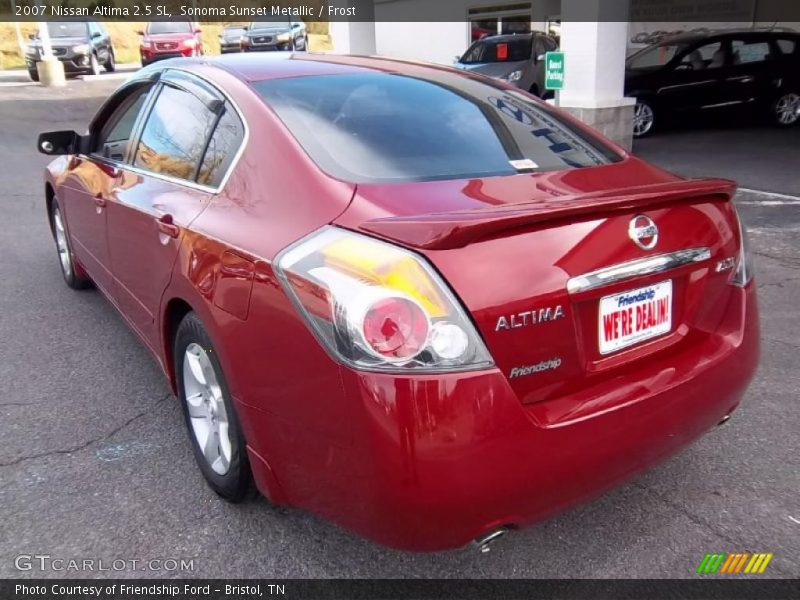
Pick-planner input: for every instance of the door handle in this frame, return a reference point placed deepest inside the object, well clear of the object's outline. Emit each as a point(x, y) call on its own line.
point(100, 201)
point(166, 226)
point(742, 79)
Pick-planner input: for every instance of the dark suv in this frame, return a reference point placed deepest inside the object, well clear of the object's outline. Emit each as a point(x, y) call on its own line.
point(82, 46)
point(518, 59)
point(271, 35)
point(716, 69)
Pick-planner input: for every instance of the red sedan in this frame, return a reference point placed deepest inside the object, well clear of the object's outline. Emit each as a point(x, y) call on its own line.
point(416, 301)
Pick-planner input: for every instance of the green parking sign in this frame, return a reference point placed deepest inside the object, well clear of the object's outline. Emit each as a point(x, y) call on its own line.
point(554, 70)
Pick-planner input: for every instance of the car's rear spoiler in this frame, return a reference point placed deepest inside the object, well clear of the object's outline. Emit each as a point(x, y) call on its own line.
point(441, 231)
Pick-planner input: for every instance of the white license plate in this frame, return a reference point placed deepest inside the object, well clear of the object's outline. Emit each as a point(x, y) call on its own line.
point(634, 316)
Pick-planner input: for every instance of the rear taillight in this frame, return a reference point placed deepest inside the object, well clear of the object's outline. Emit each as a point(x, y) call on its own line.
point(377, 306)
point(744, 262)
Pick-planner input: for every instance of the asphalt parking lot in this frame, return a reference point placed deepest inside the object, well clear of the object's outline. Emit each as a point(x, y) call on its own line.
point(95, 462)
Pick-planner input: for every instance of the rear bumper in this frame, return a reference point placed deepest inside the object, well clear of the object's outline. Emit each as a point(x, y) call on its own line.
point(152, 56)
point(436, 461)
point(267, 47)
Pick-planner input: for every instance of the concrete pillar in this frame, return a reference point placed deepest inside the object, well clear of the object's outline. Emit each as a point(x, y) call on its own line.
point(595, 66)
point(49, 68)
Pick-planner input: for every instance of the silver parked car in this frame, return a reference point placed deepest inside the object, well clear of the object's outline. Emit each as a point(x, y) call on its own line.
point(518, 59)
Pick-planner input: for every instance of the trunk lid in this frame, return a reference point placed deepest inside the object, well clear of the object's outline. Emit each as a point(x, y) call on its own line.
point(559, 290)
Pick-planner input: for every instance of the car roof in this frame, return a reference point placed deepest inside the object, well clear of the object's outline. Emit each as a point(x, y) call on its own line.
point(508, 37)
point(696, 36)
point(262, 66)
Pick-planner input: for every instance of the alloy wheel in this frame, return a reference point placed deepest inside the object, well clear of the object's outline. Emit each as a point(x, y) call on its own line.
point(787, 109)
point(206, 406)
point(643, 119)
point(61, 243)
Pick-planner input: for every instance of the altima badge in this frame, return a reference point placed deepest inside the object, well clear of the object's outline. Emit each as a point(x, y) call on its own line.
point(529, 317)
point(643, 231)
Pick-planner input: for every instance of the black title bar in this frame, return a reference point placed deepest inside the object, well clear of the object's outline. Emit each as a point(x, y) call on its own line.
point(399, 589)
point(686, 11)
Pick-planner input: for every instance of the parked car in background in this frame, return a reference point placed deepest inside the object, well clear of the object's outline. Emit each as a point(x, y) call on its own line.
point(273, 35)
point(230, 40)
point(442, 311)
point(169, 39)
point(714, 70)
point(81, 46)
point(517, 59)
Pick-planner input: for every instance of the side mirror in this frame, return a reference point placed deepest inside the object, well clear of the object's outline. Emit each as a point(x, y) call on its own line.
point(540, 58)
point(59, 142)
point(198, 30)
point(246, 27)
point(97, 34)
point(139, 32)
point(31, 36)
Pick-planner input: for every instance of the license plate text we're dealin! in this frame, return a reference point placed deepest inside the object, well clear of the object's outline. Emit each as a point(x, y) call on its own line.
point(634, 316)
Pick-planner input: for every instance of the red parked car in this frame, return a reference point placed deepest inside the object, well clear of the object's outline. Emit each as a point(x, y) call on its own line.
point(169, 39)
point(416, 301)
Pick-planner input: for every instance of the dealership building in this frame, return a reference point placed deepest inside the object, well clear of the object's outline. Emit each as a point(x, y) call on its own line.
point(595, 36)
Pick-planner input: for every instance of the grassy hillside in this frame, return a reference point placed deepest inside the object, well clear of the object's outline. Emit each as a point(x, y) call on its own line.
point(126, 40)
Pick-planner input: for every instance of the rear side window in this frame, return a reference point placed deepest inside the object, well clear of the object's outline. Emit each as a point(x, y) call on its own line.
point(388, 127)
point(787, 46)
point(489, 51)
point(222, 147)
point(744, 53)
point(174, 138)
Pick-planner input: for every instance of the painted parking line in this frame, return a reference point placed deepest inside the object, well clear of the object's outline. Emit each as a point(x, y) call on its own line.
point(776, 199)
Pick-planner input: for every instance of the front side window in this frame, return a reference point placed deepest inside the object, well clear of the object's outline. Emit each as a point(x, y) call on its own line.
point(388, 127)
point(744, 53)
point(174, 137)
point(707, 56)
point(491, 51)
point(114, 136)
point(654, 56)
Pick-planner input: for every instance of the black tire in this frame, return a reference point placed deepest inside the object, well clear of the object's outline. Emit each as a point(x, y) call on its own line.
point(94, 65)
point(535, 90)
point(33, 74)
point(236, 484)
point(780, 109)
point(73, 273)
point(111, 64)
point(646, 107)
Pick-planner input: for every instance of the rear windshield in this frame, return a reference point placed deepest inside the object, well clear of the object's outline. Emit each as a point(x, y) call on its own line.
point(64, 29)
point(385, 127)
point(491, 51)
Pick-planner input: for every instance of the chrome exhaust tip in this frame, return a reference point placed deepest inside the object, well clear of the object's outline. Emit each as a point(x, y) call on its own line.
point(484, 542)
point(724, 420)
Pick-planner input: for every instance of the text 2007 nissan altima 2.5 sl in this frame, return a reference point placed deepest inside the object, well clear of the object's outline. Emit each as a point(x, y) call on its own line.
point(416, 301)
